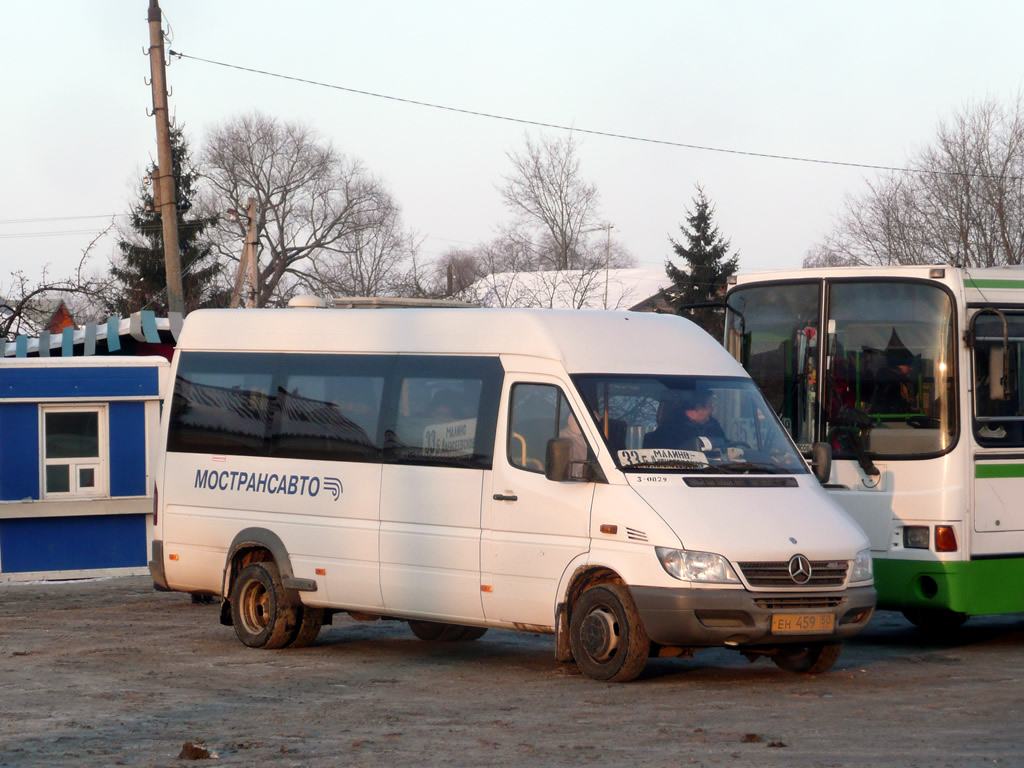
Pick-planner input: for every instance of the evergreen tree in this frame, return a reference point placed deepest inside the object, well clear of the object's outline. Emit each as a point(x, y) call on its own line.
point(708, 267)
point(140, 277)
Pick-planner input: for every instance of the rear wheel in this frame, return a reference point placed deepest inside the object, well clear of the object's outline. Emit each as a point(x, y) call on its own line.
point(262, 611)
point(608, 638)
point(810, 659)
point(310, 621)
point(936, 620)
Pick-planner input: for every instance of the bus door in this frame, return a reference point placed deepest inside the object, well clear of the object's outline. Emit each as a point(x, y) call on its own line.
point(998, 426)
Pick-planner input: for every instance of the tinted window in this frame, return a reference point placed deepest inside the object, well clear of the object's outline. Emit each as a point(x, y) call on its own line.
point(221, 403)
point(444, 411)
point(294, 406)
point(328, 407)
point(332, 407)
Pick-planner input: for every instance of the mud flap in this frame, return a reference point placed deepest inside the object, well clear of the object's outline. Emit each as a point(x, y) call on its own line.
point(225, 613)
point(563, 651)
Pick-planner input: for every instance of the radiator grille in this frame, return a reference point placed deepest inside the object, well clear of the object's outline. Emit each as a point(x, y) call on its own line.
point(824, 573)
point(788, 603)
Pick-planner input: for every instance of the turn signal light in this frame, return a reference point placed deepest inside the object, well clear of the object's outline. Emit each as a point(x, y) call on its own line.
point(945, 538)
point(607, 528)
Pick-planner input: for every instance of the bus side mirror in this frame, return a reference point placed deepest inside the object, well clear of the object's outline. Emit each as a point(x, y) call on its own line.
point(821, 462)
point(558, 459)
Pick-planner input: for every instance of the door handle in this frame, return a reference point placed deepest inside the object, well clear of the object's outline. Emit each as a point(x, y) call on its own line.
point(505, 497)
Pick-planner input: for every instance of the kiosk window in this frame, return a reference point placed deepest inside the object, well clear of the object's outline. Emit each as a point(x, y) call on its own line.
point(73, 458)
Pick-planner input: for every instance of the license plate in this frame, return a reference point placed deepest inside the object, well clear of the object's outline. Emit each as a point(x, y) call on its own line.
point(802, 623)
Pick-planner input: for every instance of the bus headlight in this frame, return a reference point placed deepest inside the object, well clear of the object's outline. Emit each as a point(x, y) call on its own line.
point(862, 570)
point(696, 566)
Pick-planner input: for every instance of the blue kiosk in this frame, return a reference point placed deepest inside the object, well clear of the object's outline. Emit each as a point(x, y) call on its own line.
point(77, 437)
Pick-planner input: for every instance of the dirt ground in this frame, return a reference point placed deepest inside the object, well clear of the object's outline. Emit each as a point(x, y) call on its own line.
point(110, 672)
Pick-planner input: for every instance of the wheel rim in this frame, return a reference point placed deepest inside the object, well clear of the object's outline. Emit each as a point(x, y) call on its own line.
point(599, 634)
point(254, 608)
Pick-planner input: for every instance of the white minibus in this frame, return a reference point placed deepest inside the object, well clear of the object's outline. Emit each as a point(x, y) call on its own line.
point(615, 479)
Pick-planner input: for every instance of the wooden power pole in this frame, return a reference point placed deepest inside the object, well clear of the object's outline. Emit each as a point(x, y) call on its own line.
point(248, 261)
point(164, 187)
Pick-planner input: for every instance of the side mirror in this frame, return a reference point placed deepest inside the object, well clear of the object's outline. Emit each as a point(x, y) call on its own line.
point(821, 462)
point(558, 459)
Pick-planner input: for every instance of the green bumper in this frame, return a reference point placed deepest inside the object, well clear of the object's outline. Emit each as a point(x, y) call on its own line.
point(974, 587)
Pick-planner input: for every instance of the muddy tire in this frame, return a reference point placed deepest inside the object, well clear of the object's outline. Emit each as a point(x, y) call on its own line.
point(263, 612)
point(808, 659)
point(427, 630)
point(472, 633)
point(445, 633)
point(608, 638)
point(935, 620)
point(310, 621)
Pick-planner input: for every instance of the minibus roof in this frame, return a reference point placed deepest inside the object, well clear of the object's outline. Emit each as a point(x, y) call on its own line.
point(584, 341)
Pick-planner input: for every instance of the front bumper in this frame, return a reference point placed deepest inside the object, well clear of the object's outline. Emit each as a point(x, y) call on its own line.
point(737, 618)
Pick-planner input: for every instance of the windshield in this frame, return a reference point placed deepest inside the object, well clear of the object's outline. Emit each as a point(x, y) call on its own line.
point(875, 379)
point(689, 424)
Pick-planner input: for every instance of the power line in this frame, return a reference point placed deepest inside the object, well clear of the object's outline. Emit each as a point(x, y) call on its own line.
point(62, 218)
point(15, 235)
point(588, 131)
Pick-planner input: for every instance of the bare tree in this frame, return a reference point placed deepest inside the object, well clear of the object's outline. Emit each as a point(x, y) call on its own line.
point(369, 260)
point(26, 304)
point(963, 205)
point(311, 201)
point(454, 275)
point(547, 192)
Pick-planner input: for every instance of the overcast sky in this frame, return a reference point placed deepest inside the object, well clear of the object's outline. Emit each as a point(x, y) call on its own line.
point(864, 82)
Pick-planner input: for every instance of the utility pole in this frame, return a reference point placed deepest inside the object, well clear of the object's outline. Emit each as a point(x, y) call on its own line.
point(607, 259)
point(248, 261)
point(164, 188)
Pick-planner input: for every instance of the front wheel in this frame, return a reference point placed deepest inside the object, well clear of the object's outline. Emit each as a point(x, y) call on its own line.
point(608, 638)
point(810, 659)
point(262, 611)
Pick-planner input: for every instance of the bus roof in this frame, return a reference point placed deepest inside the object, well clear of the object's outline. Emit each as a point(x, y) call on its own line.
point(583, 341)
point(996, 286)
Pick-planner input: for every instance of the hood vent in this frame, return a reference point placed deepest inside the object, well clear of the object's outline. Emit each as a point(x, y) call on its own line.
point(635, 535)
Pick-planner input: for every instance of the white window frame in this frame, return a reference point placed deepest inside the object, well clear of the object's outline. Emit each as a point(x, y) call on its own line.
point(100, 464)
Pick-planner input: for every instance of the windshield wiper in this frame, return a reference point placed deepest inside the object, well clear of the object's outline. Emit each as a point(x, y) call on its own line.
point(752, 466)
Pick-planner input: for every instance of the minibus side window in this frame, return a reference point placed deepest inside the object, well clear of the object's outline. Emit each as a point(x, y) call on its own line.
point(328, 407)
point(221, 404)
point(443, 411)
point(539, 412)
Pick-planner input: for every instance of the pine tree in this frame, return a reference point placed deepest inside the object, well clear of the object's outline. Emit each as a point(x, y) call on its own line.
point(708, 267)
point(141, 277)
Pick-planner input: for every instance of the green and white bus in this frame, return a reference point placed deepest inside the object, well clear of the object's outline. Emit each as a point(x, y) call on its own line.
point(913, 375)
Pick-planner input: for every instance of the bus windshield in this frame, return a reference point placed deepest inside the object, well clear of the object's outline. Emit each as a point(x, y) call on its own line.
point(688, 424)
point(871, 372)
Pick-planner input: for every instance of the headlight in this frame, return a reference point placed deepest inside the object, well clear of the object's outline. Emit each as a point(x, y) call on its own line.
point(696, 566)
point(861, 570)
